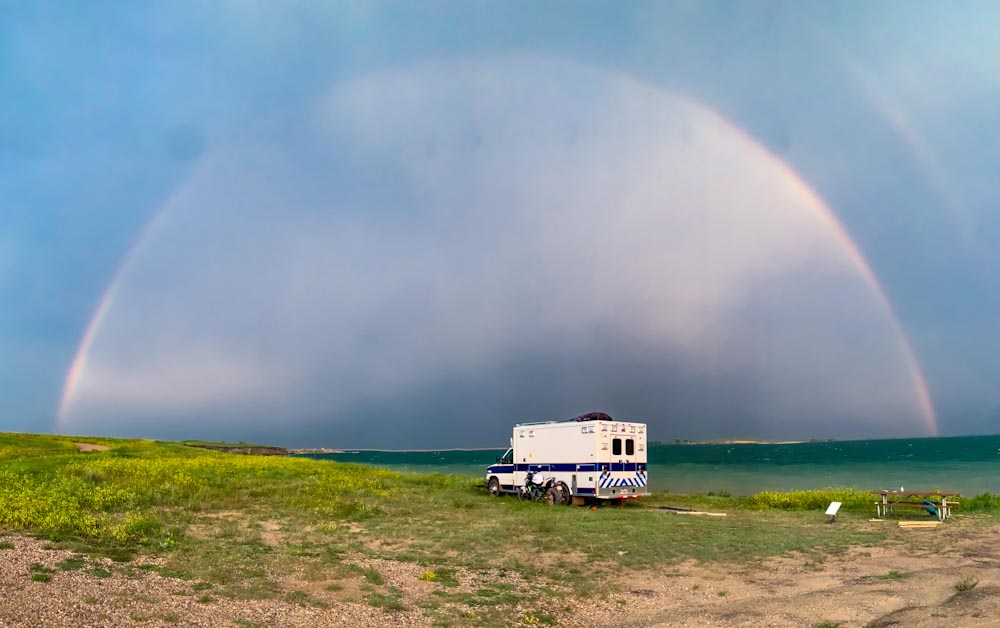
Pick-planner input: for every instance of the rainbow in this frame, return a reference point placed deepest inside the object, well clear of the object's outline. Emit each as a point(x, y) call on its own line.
point(824, 212)
point(909, 357)
point(829, 219)
point(79, 363)
point(894, 115)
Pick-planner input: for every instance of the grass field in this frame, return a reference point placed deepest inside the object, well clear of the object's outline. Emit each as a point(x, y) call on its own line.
point(234, 524)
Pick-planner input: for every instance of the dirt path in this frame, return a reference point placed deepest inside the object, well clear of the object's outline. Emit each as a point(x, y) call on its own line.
point(914, 579)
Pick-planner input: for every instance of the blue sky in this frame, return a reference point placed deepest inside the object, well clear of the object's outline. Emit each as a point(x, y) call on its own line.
point(318, 223)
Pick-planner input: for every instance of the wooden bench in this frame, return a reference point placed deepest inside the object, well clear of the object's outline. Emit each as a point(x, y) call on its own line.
point(928, 499)
point(913, 505)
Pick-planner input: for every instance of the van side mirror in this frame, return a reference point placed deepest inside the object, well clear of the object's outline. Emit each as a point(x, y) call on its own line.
point(498, 458)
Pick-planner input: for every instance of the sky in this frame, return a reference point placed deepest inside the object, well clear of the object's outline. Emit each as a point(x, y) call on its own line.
point(393, 224)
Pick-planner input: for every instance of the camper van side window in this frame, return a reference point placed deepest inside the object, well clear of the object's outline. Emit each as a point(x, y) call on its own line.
point(630, 447)
point(616, 447)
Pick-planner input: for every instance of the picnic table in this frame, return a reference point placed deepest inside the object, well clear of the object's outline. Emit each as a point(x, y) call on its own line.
point(938, 500)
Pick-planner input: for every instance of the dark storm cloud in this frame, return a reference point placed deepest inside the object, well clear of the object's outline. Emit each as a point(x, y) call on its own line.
point(886, 111)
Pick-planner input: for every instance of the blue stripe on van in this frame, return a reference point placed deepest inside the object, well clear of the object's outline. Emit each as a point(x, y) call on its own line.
point(578, 467)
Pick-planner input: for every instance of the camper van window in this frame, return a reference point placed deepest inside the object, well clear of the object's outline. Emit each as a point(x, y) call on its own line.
point(616, 447)
point(630, 447)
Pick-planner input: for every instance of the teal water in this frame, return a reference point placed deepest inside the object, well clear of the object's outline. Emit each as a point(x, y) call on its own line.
point(966, 464)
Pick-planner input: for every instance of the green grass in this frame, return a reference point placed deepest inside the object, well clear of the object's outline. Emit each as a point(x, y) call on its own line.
point(225, 523)
point(72, 564)
point(443, 576)
point(5, 545)
point(373, 576)
point(391, 601)
point(892, 575)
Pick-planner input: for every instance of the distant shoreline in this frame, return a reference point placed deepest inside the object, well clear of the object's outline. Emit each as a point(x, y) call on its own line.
point(723, 441)
point(350, 450)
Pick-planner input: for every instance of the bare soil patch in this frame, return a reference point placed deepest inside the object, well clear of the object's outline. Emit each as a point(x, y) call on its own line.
point(91, 447)
point(910, 580)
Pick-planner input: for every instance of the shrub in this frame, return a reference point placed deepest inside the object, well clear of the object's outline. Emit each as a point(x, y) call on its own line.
point(984, 502)
point(850, 499)
point(967, 583)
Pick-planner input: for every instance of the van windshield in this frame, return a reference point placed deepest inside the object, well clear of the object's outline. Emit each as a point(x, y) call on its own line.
point(508, 457)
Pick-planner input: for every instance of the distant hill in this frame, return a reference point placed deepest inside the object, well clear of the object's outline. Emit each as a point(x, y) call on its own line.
point(238, 448)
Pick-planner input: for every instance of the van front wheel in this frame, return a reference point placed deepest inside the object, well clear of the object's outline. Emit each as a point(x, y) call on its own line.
point(494, 487)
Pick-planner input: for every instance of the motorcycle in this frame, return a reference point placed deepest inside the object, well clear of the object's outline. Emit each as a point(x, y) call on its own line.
point(537, 488)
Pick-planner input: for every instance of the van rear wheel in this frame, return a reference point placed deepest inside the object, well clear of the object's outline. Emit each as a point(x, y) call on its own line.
point(553, 496)
point(494, 487)
point(567, 498)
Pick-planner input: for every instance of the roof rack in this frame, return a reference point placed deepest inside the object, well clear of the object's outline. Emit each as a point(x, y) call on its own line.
point(590, 416)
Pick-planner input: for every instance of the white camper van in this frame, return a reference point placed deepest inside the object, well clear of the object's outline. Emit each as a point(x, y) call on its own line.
point(591, 457)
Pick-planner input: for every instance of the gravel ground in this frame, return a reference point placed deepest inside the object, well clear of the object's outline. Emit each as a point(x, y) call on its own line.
point(78, 597)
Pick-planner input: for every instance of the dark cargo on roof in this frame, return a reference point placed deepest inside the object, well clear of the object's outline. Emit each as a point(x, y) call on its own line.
point(593, 416)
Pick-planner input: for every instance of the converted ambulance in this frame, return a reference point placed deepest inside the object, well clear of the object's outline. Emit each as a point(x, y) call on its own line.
point(591, 457)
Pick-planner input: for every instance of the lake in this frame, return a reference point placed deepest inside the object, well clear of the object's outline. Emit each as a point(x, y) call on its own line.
point(967, 464)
